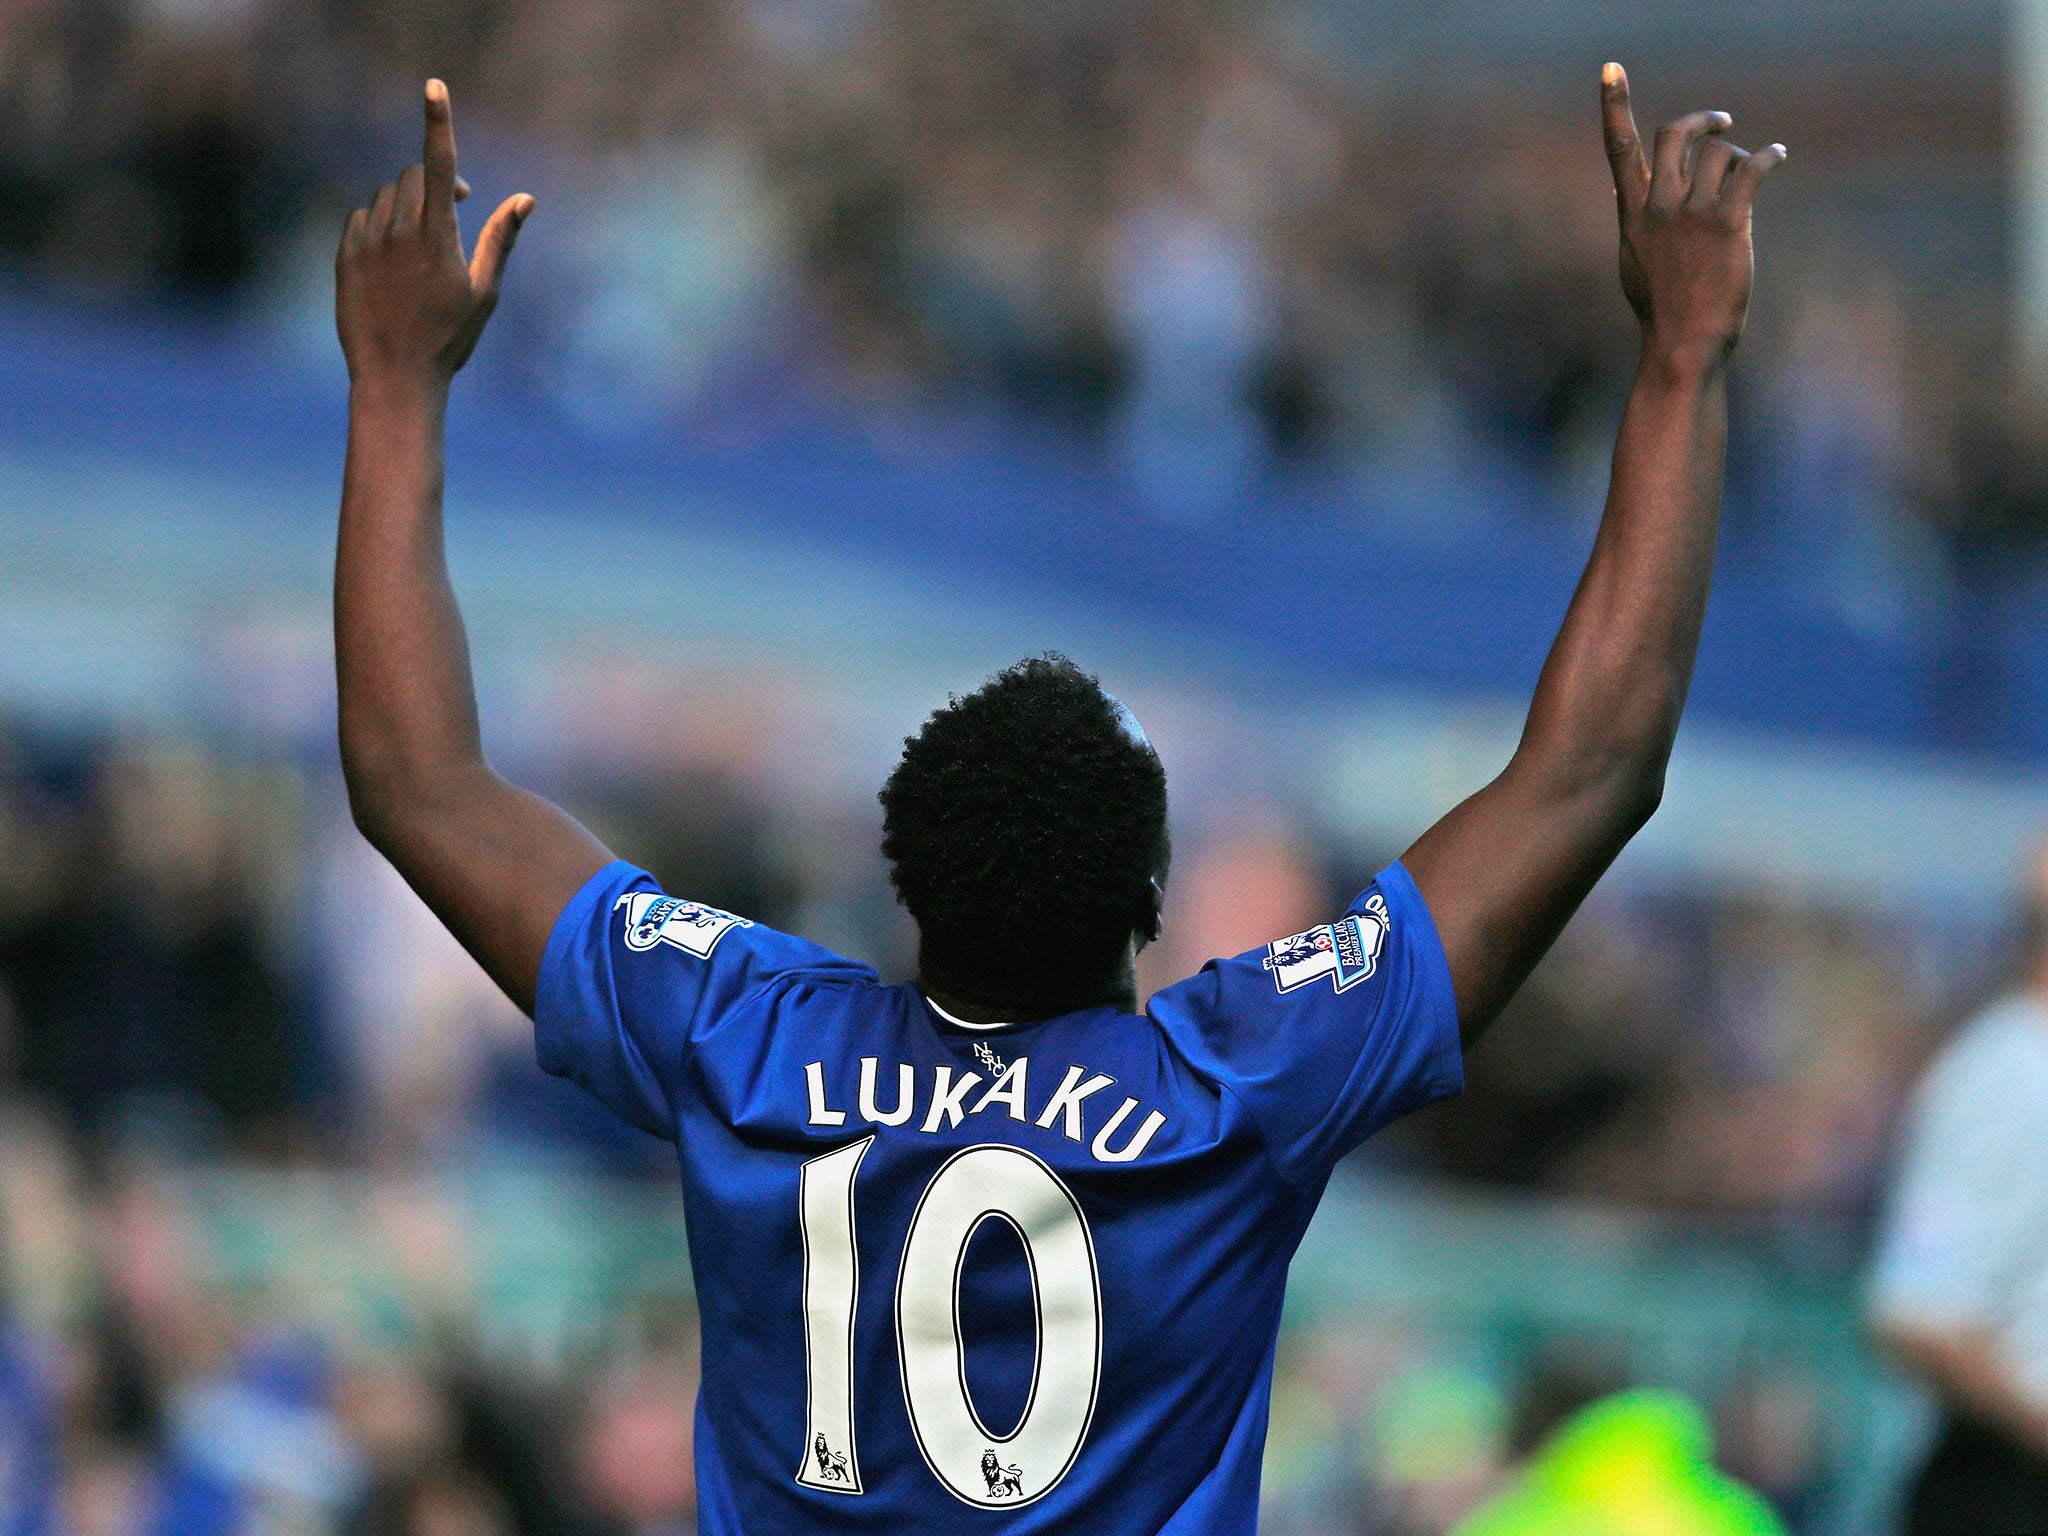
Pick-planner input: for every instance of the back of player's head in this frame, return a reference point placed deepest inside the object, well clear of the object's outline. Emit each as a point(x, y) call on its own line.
point(1025, 825)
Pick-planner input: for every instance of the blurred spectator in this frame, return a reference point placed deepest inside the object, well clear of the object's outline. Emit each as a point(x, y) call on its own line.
point(1771, 1429)
point(29, 1446)
point(1989, 503)
point(1637, 1461)
point(415, 1019)
point(636, 1461)
point(439, 1501)
point(1960, 1288)
point(1190, 302)
point(149, 147)
point(668, 256)
point(149, 991)
point(1837, 492)
point(1236, 889)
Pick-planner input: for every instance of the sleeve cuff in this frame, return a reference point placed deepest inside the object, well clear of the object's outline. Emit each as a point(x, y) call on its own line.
point(1433, 970)
point(575, 966)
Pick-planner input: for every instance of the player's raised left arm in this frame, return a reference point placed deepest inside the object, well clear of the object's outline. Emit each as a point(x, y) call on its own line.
point(1505, 870)
point(496, 863)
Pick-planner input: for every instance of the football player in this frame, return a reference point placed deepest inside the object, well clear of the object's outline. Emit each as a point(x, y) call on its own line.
point(994, 1238)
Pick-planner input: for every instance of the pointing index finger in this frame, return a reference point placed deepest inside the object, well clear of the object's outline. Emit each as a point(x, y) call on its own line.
point(439, 154)
point(1624, 145)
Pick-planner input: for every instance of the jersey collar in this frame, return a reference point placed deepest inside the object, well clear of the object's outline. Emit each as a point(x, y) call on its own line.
point(955, 1019)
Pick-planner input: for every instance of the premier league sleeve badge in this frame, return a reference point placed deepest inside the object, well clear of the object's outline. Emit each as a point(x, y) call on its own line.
point(652, 919)
point(1346, 951)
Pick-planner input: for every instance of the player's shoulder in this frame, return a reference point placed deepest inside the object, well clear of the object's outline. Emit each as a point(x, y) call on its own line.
point(629, 943)
point(645, 919)
point(1386, 924)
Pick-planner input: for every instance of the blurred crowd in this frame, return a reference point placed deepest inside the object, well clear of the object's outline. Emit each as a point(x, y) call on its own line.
point(1188, 226)
point(1733, 1055)
point(1157, 216)
point(294, 1237)
point(209, 983)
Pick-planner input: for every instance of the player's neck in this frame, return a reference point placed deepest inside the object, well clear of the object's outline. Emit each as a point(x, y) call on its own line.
point(974, 1002)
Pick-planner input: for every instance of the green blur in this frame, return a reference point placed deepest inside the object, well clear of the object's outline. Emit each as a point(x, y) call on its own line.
point(1635, 1464)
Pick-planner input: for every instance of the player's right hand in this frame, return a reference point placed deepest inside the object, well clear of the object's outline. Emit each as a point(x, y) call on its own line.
point(408, 304)
point(1686, 262)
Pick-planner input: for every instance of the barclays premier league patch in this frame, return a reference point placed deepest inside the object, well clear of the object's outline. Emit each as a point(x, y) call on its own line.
point(1346, 951)
point(653, 919)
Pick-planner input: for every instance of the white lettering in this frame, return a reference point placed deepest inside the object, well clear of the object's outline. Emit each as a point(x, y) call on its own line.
point(951, 1089)
point(814, 1080)
point(906, 1093)
point(1067, 1097)
point(946, 1100)
point(1100, 1146)
point(1007, 1089)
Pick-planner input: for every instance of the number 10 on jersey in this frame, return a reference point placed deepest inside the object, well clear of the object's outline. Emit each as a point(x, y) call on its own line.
point(992, 1182)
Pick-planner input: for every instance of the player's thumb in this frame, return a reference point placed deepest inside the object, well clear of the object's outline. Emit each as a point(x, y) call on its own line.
point(494, 245)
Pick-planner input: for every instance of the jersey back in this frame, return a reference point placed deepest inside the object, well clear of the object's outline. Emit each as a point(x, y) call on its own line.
point(1019, 1278)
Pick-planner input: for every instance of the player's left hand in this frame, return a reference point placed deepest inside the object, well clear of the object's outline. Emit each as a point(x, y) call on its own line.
point(1686, 260)
point(409, 305)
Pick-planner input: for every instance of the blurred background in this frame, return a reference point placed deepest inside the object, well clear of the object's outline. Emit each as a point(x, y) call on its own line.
point(1263, 355)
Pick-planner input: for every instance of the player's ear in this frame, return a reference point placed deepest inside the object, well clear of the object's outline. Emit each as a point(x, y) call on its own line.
point(1155, 911)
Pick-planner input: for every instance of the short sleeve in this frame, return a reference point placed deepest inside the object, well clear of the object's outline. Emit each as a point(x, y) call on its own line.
point(632, 978)
point(1328, 1035)
point(1966, 1223)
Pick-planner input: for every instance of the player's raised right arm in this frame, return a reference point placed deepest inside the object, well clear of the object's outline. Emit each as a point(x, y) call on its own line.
point(496, 863)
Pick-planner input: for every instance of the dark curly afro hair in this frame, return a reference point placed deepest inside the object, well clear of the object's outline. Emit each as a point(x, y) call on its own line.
point(1025, 825)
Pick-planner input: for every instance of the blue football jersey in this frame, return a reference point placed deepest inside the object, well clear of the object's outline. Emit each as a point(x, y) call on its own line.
point(1020, 1278)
